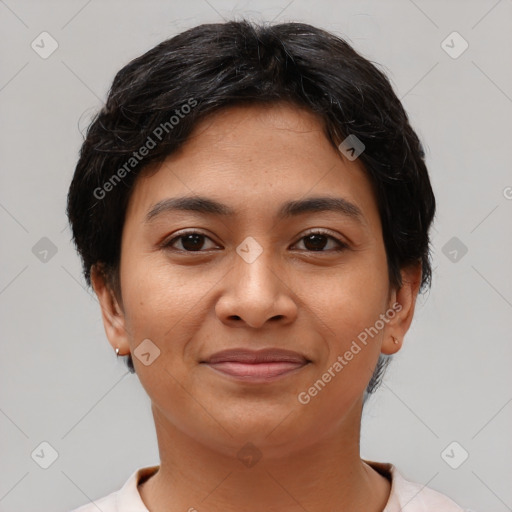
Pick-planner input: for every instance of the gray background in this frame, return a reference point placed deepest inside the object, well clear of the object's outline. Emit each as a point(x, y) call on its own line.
point(60, 382)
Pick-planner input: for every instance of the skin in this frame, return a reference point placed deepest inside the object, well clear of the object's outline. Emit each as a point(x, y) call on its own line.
point(193, 304)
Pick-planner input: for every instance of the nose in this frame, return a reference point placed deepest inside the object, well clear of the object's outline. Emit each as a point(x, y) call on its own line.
point(254, 293)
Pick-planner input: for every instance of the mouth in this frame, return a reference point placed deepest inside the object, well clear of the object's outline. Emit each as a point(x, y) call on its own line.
point(267, 365)
point(257, 372)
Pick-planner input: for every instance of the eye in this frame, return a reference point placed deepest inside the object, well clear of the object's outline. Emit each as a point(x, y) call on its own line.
point(194, 241)
point(317, 240)
point(191, 241)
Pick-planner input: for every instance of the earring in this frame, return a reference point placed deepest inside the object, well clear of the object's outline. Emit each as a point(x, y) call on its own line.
point(395, 340)
point(117, 351)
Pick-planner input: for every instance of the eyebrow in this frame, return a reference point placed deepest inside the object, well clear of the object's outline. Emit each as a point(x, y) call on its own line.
point(205, 205)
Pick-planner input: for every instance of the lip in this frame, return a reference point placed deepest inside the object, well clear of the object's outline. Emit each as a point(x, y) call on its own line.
point(266, 365)
point(266, 355)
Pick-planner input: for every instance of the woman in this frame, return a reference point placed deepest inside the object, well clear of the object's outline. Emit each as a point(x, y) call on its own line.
point(252, 210)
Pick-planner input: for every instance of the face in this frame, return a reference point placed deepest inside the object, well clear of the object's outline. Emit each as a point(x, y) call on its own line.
point(264, 267)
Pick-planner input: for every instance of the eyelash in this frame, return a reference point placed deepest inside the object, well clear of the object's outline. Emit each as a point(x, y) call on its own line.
point(168, 244)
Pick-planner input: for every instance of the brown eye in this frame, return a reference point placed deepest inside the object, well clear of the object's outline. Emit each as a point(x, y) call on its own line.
point(192, 241)
point(318, 240)
point(315, 242)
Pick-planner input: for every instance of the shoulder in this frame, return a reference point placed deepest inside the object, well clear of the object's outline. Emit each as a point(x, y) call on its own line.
point(407, 496)
point(126, 499)
point(106, 504)
point(415, 497)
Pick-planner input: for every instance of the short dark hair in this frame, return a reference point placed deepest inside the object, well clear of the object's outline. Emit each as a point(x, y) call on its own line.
point(163, 94)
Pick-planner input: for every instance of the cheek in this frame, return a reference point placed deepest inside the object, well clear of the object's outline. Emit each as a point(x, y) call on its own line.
point(353, 328)
point(164, 303)
point(357, 294)
point(153, 298)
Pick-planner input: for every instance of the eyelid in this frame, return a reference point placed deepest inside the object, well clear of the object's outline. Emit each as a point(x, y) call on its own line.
point(322, 231)
point(168, 242)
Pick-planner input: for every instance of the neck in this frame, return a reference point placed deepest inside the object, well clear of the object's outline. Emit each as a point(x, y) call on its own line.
point(326, 475)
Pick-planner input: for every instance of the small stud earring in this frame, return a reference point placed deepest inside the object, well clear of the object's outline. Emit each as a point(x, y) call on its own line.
point(117, 351)
point(395, 340)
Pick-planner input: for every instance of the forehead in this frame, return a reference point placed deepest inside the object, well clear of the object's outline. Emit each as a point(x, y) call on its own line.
point(257, 155)
point(255, 129)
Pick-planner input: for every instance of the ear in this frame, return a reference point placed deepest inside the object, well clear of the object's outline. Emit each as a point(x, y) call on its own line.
point(112, 314)
point(403, 302)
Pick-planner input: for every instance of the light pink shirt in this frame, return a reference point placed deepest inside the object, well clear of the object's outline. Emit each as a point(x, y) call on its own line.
point(405, 496)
